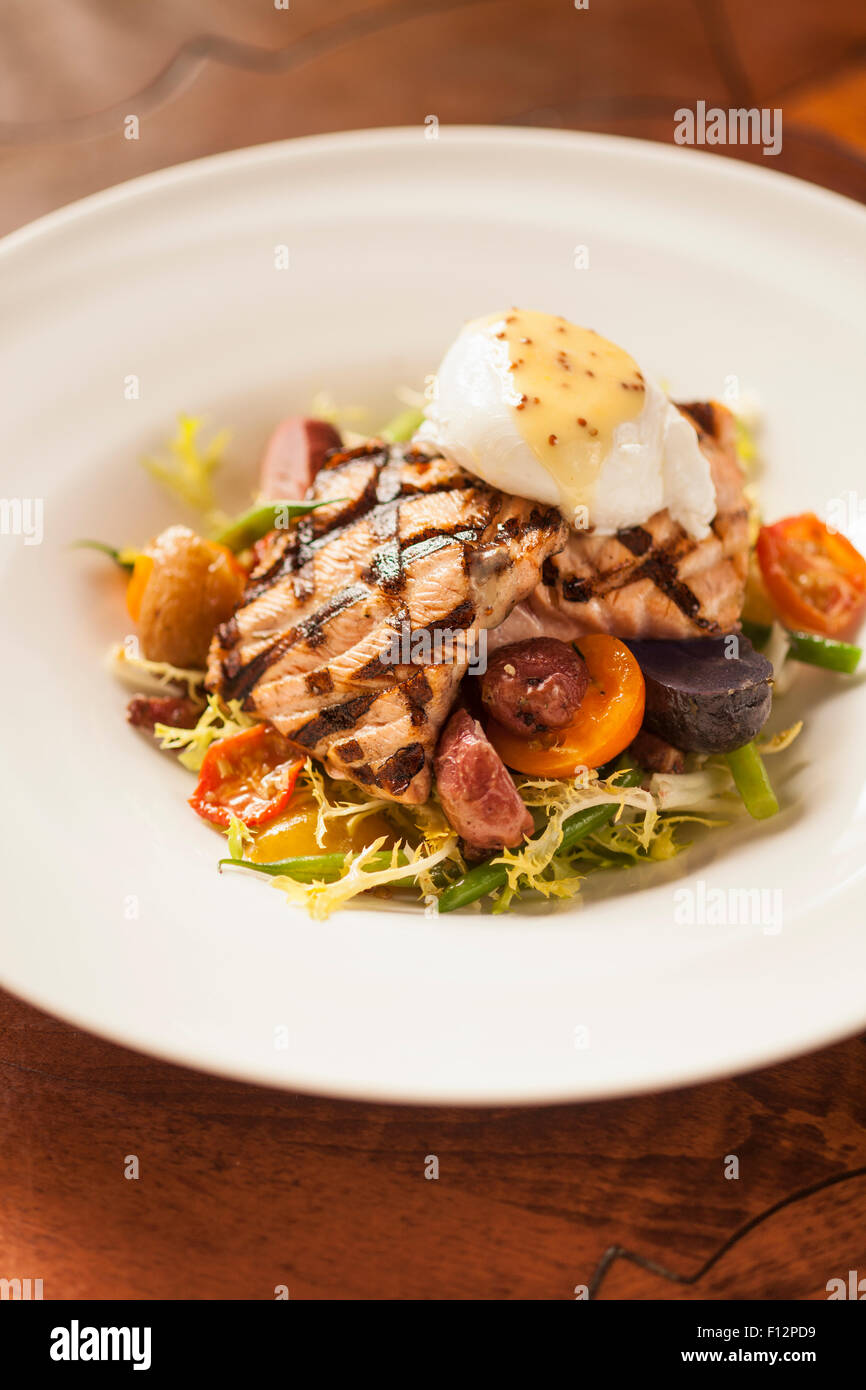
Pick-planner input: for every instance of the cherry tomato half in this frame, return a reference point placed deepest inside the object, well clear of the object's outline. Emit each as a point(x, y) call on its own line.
point(815, 577)
point(251, 775)
point(609, 717)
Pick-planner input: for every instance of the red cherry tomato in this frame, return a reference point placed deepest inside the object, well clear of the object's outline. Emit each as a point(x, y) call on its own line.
point(815, 578)
point(251, 775)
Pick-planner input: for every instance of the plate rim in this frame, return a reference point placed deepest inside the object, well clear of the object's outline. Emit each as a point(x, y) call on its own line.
point(724, 168)
point(142, 185)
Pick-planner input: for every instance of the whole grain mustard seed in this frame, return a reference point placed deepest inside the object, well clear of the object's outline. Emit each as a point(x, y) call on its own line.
point(592, 430)
point(581, 421)
point(551, 439)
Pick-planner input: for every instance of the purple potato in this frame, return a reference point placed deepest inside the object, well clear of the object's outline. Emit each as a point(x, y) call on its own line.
point(709, 695)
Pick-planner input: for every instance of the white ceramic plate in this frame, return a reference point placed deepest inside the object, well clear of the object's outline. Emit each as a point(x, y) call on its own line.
point(113, 914)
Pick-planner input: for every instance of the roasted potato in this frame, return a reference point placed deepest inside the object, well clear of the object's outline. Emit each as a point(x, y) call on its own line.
point(193, 586)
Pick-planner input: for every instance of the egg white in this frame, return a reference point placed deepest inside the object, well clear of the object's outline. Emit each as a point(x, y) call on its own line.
point(654, 461)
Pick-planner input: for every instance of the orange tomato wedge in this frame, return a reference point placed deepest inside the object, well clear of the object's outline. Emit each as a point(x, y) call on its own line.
point(609, 717)
point(141, 572)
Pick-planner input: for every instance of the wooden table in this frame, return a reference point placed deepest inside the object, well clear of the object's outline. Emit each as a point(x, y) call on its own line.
point(241, 1190)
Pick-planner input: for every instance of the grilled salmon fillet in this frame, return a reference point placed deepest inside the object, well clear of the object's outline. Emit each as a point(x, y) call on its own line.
point(653, 580)
point(406, 542)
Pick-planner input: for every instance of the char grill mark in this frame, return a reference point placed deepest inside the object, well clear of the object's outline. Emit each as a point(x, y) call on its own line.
point(350, 751)
point(396, 772)
point(373, 448)
point(376, 501)
point(656, 564)
point(385, 570)
point(661, 568)
point(419, 550)
point(651, 580)
point(227, 633)
point(418, 546)
point(333, 719)
point(548, 520)
point(239, 679)
point(576, 590)
point(635, 539)
point(417, 693)
point(458, 620)
point(319, 682)
point(364, 774)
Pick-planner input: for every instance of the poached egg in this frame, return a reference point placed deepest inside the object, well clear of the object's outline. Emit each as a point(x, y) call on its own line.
point(544, 409)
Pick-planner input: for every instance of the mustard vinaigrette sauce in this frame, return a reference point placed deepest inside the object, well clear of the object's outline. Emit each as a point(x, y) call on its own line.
point(571, 388)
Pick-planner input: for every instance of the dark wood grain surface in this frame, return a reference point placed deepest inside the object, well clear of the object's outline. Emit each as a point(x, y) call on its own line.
point(241, 1189)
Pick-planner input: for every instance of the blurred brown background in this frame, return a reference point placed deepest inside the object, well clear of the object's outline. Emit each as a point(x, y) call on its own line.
point(243, 1189)
point(207, 75)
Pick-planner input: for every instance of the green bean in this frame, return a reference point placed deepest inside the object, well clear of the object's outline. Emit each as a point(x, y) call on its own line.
point(258, 520)
point(486, 878)
point(825, 652)
point(403, 426)
point(477, 883)
point(810, 649)
point(752, 781)
point(310, 868)
point(122, 558)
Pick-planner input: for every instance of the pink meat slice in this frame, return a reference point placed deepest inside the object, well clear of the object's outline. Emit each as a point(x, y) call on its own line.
point(293, 456)
point(475, 787)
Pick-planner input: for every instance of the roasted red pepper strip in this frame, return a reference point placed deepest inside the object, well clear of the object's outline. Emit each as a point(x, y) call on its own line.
point(815, 577)
point(251, 775)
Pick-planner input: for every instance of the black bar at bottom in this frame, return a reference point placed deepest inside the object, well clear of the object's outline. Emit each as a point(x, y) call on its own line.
point(159, 1338)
